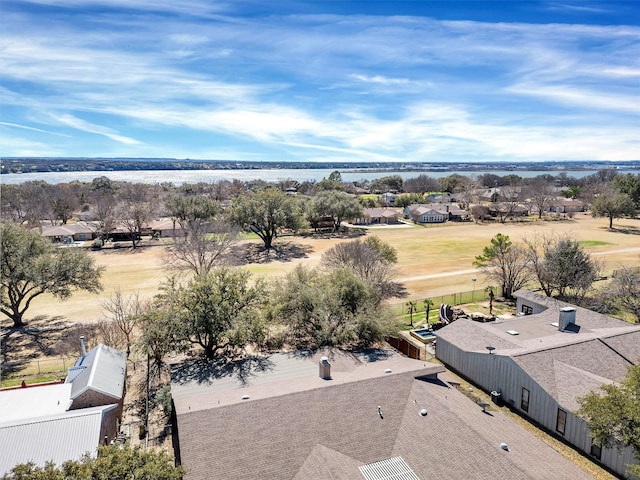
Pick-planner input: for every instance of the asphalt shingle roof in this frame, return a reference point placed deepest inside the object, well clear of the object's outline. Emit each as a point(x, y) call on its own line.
point(318, 429)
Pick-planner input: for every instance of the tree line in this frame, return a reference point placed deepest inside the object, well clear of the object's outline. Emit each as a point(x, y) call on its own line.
point(328, 201)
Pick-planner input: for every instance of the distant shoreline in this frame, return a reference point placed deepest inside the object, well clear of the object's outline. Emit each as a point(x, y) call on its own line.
point(17, 165)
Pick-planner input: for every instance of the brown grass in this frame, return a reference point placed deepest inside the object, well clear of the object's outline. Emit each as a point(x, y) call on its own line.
point(432, 260)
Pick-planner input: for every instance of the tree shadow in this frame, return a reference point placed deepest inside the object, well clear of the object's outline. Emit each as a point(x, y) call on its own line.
point(282, 252)
point(627, 230)
point(395, 289)
point(43, 336)
point(203, 371)
point(328, 234)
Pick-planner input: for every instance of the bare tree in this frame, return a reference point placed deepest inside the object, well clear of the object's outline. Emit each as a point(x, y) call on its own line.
point(123, 311)
point(624, 291)
point(510, 197)
point(540, 193)
point(203, 246)
point(506, 263)
point(136, 208)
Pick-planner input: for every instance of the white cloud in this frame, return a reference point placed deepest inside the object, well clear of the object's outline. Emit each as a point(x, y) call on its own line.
point(80, 124)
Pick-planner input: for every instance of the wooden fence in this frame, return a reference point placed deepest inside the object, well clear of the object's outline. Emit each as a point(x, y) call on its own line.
point(407, 348)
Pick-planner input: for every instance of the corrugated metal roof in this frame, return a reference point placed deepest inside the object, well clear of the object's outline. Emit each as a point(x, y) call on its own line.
point(34, 402)
point(390, 469)
point(57, 438)
point(104, 373)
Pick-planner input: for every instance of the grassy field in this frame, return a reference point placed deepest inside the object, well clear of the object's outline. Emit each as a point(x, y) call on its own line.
point(433, 260)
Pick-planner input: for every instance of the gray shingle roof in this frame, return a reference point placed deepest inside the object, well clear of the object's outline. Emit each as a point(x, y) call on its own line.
point(320, 429)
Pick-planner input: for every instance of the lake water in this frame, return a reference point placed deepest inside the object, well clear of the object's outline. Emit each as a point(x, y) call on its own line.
point(178, 177)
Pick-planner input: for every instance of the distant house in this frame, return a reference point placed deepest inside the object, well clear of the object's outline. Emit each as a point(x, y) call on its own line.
point(377, 216)
point(71, 232)
point(330, 415)
point(166, 228)
point(566, 205)
point(388, 198)
point(434, 212)
point(502, 209)
point(63, 421)
point(543, 360)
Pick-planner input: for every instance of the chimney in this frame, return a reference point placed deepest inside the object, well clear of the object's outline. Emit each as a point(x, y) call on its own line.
point(83, 346)
point(325, 369)
point(567, 317)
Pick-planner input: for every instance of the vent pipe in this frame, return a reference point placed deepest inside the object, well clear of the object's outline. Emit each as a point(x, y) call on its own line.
point(325, 368)
point(83, 347)
point(567, 317)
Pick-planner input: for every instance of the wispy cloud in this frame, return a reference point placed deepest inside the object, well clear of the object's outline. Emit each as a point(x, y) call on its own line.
point(79, 124)
point(303, 86)
point(15, 125)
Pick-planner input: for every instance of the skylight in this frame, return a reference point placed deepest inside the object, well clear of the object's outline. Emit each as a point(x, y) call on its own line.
point(390, 469)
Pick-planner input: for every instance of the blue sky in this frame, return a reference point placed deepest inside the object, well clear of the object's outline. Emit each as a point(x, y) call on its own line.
point(432, 81)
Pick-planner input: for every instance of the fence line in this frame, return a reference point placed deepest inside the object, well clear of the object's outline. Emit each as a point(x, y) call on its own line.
point(23, 370)
point(470, 296)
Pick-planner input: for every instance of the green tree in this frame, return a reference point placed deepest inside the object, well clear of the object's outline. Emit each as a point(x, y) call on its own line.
point(390, 183)
point(328, 308)
point(428, 304)
point(562, 267)
point(490, 291)
point(31, 266)
point(335, 176)
point(265, 213)
point(111, 462)
point(613, 414)
point(372, 260)
point(629, 184)
point(412, 306)
point(221, 310)
point(505, 263)
point(612, 205)
point(337, 205)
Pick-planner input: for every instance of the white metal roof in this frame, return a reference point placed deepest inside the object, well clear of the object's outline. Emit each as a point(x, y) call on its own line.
point(33, 402)
point(104, 373)
point(57, 438)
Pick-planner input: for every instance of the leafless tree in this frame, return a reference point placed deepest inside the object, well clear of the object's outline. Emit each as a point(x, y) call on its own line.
point(467, 191)
point(201, 246)
point(123, 311)
point(624, 291)
point(136, 207)
point(540, 193)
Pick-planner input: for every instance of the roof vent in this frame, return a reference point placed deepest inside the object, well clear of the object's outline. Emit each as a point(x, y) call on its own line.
point(325, 368)
point(83, 347)
point(423, 412)
point(567, 318)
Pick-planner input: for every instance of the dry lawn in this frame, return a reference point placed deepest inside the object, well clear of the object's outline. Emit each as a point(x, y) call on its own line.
point(433, 260)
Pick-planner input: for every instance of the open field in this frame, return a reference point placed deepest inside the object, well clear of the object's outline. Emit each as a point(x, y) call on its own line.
point(433, 260)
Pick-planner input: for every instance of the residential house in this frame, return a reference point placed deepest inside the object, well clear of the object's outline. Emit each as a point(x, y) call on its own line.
point(63, 421)
point(98, 378)
point(71, 232)
point(377, 216)
point(341, 415)
point(543, 360)
point(166, 228)
point(434, 212)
